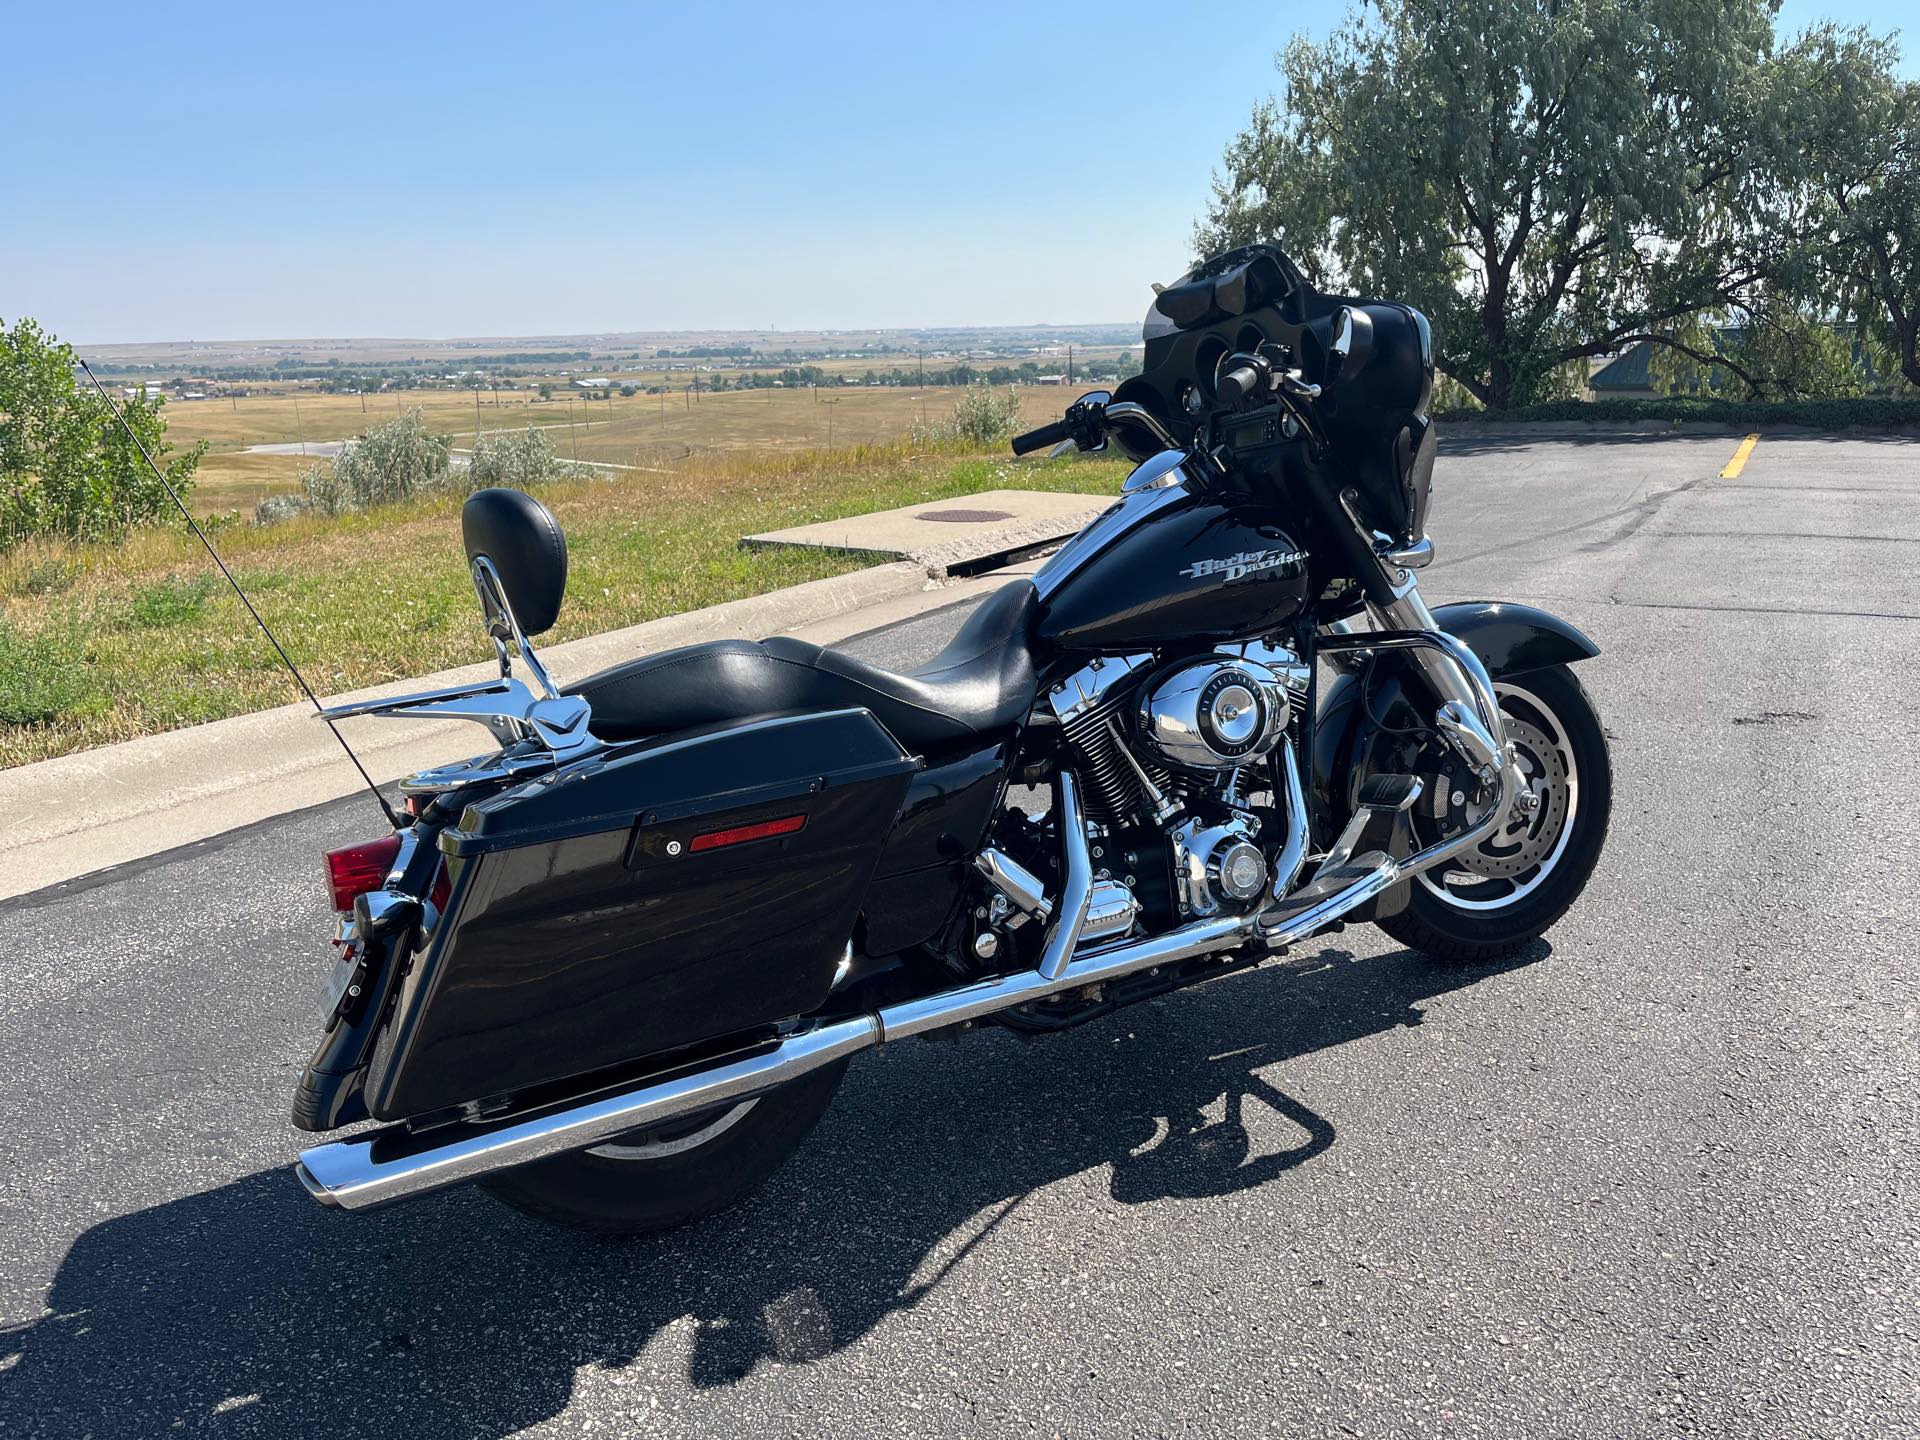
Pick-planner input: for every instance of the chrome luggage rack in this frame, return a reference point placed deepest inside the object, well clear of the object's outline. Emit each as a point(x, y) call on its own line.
point(558, 725)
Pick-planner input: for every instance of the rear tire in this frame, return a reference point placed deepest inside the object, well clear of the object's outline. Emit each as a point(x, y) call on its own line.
point(1453, 913)
point(672, 1175)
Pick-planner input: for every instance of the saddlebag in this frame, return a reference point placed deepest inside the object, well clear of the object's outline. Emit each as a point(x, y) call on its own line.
point(651, 897)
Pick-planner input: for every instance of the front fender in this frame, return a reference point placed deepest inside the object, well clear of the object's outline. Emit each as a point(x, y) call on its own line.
point(1510, 639)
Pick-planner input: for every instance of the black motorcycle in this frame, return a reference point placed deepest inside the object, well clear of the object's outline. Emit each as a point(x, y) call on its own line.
point(616, 968)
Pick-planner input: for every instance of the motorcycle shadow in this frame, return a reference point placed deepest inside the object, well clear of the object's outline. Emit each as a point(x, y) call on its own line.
point(248, 1309)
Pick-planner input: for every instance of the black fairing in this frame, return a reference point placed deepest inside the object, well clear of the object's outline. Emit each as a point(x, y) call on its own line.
point(1374, 410)
point(523, 541)
point(589, 928)
point(1193, 571)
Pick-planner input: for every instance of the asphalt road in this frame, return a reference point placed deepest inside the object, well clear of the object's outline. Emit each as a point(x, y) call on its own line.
point(1657, 1178)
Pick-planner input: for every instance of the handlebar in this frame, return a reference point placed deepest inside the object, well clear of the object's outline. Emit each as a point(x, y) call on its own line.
point(1240, 382)
point(1039, 439)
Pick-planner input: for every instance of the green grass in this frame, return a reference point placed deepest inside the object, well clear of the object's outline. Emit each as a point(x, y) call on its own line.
point(103, 643)
point(1874, 412)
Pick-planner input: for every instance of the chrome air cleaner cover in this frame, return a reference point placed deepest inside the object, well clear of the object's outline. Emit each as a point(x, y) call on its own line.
point(1214, 713)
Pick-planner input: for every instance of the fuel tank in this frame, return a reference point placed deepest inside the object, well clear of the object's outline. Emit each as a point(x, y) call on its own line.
point(1168, 566)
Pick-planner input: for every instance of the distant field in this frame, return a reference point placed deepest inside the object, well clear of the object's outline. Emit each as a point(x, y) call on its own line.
point(649, 432)
point(197, 356)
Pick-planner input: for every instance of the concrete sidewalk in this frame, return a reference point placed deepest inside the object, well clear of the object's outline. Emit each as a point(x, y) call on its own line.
point(963, 536)
point(67, 817)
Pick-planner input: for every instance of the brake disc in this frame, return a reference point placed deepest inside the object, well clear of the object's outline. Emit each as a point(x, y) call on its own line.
point(1525, 839)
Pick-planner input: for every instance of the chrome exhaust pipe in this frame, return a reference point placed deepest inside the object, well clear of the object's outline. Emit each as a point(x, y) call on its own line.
point(392, 1164)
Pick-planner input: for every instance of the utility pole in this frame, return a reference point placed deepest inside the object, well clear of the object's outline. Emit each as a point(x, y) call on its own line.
point(572, 438)
point(298, 428)
point(1069, 364)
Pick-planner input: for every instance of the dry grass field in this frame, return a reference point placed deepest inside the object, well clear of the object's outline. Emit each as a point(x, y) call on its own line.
point(651, 433)
point(104, 642)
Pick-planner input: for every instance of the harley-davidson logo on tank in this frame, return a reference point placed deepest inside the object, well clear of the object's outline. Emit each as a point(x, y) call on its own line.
point(1240, 566)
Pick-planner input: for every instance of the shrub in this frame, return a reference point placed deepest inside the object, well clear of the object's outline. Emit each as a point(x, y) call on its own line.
point(275, 508)
point(518, 460)
point(1867, 412)
point(394, 461)
point(981, 418)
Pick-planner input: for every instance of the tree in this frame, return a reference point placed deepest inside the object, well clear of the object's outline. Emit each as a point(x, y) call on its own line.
point(66, 467)
point(1547, 182)
point(1848, 172)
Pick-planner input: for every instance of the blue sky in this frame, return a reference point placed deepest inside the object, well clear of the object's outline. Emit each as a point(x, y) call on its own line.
point(504, 170)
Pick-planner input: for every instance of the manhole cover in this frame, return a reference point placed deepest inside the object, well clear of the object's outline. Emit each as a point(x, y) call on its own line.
point(964, 517)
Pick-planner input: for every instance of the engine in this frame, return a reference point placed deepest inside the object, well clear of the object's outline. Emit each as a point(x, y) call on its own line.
point(1171, 757)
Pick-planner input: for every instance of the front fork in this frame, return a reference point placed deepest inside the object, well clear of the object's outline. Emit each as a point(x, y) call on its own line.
point(1468, 719)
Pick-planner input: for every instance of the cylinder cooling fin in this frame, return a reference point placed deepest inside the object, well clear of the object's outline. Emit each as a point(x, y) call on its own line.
point(1091, 706)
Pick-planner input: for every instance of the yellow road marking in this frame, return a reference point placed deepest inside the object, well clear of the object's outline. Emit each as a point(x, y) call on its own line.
point(1739, 460)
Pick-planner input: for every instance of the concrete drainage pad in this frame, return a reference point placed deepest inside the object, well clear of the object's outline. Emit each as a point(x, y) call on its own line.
point(954, 537)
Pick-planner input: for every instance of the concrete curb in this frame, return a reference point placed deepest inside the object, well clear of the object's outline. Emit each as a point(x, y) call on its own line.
point(67, 817)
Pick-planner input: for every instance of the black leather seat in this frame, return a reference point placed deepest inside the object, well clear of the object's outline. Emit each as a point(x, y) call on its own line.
point(981, 683)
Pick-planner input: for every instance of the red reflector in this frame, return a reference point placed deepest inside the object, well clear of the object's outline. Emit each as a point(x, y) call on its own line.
point(356, 869)
point(740, 834)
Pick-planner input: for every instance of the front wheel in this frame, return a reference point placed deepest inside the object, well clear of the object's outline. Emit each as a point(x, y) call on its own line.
point(1514, 885)
point(673, 1174)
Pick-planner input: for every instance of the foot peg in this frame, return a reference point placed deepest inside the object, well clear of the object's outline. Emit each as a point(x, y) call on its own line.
point(1333, 891)
point(1382, 798)
point(1389, 792)
point(1346, 881)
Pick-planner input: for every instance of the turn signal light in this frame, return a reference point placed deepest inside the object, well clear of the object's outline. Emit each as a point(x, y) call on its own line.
point(356, 869)
point(740, 834)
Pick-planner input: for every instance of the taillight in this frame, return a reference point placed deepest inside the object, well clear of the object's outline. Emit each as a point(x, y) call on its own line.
point(356, 869)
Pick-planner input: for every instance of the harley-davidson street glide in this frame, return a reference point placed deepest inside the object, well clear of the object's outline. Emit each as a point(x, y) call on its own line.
point(616, 968)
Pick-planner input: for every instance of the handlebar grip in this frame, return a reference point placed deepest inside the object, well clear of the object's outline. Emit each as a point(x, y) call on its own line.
point(1046, 435)
point(1238, 383)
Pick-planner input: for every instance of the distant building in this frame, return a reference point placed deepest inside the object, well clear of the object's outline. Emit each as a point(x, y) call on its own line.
point(1630, 373)
point(592, 382)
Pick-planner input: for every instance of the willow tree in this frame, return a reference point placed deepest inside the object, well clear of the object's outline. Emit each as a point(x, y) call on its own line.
point(1847, 166)
point(1548, 181)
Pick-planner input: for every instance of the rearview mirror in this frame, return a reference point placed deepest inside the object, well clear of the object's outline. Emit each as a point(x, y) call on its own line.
point(1352, 343)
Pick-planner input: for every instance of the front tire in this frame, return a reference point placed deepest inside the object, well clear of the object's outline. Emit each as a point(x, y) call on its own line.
point(1514, 887)
point(672, 1175)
